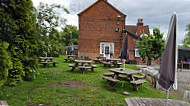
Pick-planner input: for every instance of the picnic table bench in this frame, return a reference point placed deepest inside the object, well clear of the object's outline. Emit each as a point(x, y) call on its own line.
point(136, 83)
point(119, 74)
point(70, 58)
point(84, 68)
point(46, 61)
point(46, 64)
point(108, 74)
point(83, 65)
point(111, 80)
point(106, 64)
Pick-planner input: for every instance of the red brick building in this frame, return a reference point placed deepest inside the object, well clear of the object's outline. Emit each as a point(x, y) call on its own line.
point(101, 31)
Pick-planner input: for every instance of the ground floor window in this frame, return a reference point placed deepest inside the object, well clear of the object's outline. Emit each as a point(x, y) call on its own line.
point(137, 53)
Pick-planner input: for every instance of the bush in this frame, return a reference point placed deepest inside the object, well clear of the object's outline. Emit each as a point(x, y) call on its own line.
point(6, 63)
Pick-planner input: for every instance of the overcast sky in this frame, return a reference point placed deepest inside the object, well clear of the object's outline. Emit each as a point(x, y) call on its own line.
point(155, 13)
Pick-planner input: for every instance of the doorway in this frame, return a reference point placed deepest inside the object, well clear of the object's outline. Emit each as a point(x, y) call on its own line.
point(107, 49)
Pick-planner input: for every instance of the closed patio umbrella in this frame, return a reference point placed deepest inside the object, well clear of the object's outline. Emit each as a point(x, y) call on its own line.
point(168, 67)
point(124, 52)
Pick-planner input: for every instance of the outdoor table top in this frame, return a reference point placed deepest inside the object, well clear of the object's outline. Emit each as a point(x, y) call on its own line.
point(112, 59)
point(83, 61)
point(46, 57)
point(71, 55)
point(123, 71)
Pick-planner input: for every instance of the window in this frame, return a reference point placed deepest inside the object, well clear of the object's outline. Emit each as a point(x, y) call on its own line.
point(102, 49)
point(111, 49)
point(107, 51)
point(137, 53)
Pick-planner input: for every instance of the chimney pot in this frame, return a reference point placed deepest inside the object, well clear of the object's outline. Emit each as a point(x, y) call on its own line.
point(140, 21)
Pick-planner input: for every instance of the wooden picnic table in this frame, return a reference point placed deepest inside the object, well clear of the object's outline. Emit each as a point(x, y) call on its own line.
point(71, 58)
point(83, 65)
point(45, 61)
point(122, 71)
point(111, 61)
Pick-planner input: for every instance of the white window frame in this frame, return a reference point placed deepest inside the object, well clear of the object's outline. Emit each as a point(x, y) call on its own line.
point(137, 53)
point(102, 47)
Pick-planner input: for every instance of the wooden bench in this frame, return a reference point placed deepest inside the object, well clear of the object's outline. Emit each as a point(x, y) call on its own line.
point(97, 61)
point(46, 64)
point(93, 66)
point(106, 64)
point(141, 76)
point(136, 83)
point(111, 80)
point(3, 103)
point(69, 59)
point(124, 78)
point(108, 74)
point(84, 68)
point(118, 65)
point(71, 65)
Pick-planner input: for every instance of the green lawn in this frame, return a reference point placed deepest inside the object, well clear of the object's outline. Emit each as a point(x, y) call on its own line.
point(49, 88)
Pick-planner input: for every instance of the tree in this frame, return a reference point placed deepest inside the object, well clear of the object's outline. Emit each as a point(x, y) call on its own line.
point(47, 22)
point(18, 29)
point(151, 47)
point(186, 40)
point(70, 34)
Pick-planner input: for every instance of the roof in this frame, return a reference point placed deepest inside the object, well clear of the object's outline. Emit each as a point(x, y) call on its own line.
point(97, 3)
point(133, 29)
point(184, 49)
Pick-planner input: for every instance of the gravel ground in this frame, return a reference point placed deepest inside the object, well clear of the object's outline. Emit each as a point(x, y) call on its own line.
point(183, 85)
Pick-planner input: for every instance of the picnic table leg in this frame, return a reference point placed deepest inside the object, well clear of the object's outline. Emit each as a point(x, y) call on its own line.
point(135, 87)
point(73, 68)
point(45, 65)
point(83, 70)
point(116, 76)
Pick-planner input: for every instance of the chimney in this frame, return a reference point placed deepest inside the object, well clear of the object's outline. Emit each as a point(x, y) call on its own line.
point(140, 21)
point(140, 27)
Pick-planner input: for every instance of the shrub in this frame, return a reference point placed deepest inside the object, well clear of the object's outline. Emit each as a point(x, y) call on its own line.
point(6, 63)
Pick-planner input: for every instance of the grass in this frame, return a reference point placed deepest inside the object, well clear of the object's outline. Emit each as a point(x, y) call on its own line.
point(47, 88)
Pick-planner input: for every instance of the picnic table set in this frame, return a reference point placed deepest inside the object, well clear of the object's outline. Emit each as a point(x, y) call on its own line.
point(70, 58)
point(46, 61)
point(83, 65)
point(115, 75)
point(108, 62)
point(119, 74)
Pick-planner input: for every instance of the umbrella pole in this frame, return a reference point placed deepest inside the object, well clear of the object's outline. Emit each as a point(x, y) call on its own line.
point(167, 95)
point(124, 64)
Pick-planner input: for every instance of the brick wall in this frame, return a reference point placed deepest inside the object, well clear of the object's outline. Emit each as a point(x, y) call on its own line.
point(97, 24)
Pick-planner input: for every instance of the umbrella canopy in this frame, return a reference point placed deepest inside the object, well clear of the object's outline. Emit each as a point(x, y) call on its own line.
point(168, 68)
point(72, 48)
point(124, 53)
